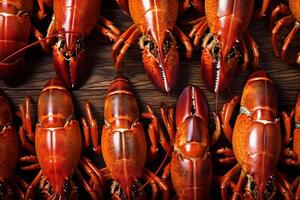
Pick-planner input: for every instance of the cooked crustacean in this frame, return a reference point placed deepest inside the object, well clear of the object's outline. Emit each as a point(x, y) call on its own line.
point(256, 141)
point(16, 28)
point(55, 148)
point(225, 50)
point(191, 164)
point(291, 16)
point(291, 154)
point(74, 20)
point(155, 21)
point(123, 142)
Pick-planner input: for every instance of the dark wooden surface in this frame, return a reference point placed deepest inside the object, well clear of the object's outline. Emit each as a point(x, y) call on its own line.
point(101, 72)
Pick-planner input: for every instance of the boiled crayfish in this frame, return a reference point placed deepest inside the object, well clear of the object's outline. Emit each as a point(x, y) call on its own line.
point(10, 152)
point(15, 27)
point(155, 21)
point(57, 143)
point(292, 154)
point(74, 20)
point(292, 16)
point(256, 141)
point(124, 146)
point(191, 163)
point(224, 47)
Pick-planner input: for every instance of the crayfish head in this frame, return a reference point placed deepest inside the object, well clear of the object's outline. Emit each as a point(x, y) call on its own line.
point(218, 67)
point(69, 58)
point(161, 60)
point(261, 182)
point(262, 190)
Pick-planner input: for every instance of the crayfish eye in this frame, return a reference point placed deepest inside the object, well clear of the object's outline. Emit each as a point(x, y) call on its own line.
point(215, 51)
point(145, 42)
point(150, 45)
point(61, 42)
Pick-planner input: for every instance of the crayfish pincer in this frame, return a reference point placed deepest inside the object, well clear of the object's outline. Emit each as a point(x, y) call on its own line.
point(155, 22)
point(191, 164)
point(73, 21)
point(225, 50)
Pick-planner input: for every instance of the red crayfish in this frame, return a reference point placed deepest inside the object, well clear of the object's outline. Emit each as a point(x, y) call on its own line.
point(292, 16)
point(224, 47)
point(10, 148)
point(292, 154)
point(123, 140)
point(74, 20)
point(57, 143)
point(256, 141)
point(15, 31)
point(191, 163)
point(155, 21)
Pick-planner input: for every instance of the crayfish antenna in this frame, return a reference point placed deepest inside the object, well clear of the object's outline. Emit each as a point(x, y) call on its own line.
point(158, 169)
point(28, 46)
